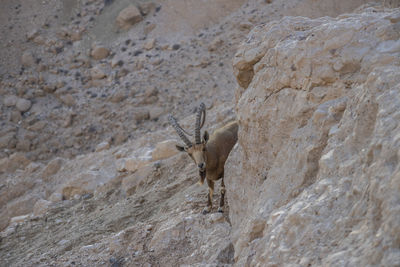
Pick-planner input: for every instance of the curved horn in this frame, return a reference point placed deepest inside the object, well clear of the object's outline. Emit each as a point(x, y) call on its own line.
point(179, 130)
point(200, 113)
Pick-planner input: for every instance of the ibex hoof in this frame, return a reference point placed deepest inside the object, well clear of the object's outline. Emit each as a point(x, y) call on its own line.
point(206, 210)
point(220, 210)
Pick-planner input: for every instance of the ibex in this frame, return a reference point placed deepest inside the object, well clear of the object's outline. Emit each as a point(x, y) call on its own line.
point(209, 153)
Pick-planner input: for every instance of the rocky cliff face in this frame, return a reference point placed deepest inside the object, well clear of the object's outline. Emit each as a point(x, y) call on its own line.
point(315, 178)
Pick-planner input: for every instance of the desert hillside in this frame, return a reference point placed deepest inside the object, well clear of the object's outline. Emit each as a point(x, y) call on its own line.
point(89, 172)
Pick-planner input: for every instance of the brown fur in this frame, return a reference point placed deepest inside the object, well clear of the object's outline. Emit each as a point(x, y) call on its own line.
point(213, 152)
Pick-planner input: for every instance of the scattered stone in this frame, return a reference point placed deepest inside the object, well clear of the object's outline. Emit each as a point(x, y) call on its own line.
point(102, 146)
point(149, 28)
point(149, 44)
point(146, 8)
point(246, 26)
point(56, 197)
point(176, 47)
point(49, 88)
point(156, 61)
point(10, 101)
point(32, 34)
point(120, 137)
point(120, 165)
point(99, 52)
point(19, 219)
point(141, 115)
point(41, 207)
point(17, 161)
point(118, 97)
point(27, 59)
point(215, 44)
point(96, 73)
point(117, 62)
point(128, 17)
point(39, 40)
point(156, 112)
point(122, 72)
point(76, 35)
point(68, 100)
point(23, 105)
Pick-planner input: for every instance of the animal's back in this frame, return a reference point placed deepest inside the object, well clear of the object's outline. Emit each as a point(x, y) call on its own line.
point(225, 138)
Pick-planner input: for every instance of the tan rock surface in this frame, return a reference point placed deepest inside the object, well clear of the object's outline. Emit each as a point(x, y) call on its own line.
point(99, 52)
point(128, 17)
point(165, 149)
point(313, 181)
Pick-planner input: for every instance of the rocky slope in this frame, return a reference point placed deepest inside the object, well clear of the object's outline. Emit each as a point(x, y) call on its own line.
point(88, 171)
point(315, 180)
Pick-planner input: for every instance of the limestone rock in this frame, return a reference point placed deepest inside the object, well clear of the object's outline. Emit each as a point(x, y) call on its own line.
point(215, 44)
point(83, 183)
point(97, 73)
point(314, 143)
point(146, 8)
point(21, 206)
point(8, 140)
point(17, 161)
point(141, 114)
point(68, 99)
point(156, 112)
point(18, 219)
point(133, 164)
point(99, 52)
point(27, 59)
point(128, 17)
point(23, 105)
point(10, 101)
point(37, 126)
point(32, 34)
point(118, 97)
point(52, 168)
point(23, 144)
point(164, 150)
point(131, 182)
point(56, 197)
point(116, 62)
point(149, 44)
point(41, 207)
point(102, 146)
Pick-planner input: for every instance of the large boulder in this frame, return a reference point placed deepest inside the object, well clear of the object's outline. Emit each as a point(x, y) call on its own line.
point(315, 178)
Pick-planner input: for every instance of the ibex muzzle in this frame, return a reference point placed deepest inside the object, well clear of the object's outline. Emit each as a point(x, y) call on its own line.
point(209, 153)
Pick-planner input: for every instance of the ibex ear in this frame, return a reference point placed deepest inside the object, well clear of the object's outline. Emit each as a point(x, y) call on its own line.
point(205, 136)
point(180, 148)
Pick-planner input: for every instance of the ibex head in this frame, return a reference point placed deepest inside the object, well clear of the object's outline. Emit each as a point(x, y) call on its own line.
point(197, 151)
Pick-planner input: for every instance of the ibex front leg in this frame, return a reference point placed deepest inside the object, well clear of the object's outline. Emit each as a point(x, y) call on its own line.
point(210, 196)
point(222, 201)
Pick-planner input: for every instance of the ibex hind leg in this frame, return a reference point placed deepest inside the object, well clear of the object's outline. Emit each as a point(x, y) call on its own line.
point(210, 196)
point(222, 200)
